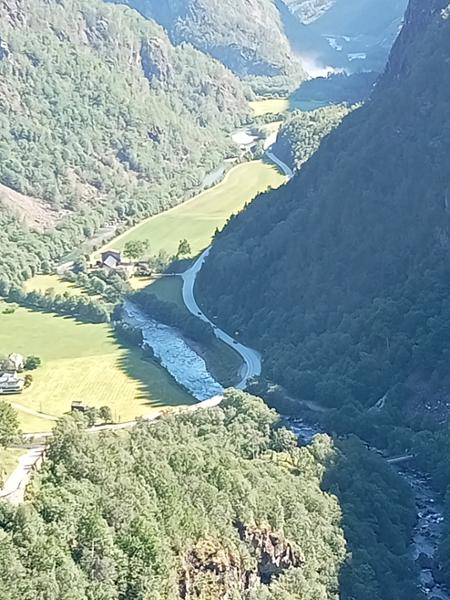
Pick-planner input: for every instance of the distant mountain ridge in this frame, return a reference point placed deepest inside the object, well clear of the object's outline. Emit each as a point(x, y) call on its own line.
point(271, 38)
point(246, 36)
point(354, 35)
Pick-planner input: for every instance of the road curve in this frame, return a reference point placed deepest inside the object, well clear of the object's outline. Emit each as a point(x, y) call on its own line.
point(14, 489)
point(282, 165)
point(251, 358)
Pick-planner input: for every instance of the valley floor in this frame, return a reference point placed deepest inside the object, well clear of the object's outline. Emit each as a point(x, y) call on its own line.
point(197, 219)
point(84, 362)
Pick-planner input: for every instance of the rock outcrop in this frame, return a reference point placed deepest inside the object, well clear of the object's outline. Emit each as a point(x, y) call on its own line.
point(211, 570)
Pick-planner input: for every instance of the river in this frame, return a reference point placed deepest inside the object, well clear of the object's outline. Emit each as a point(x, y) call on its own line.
point(187, 368)
point(427, 533)
point(191, 372)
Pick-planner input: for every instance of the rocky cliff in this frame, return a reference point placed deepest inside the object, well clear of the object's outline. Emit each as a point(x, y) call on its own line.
point(246, 36)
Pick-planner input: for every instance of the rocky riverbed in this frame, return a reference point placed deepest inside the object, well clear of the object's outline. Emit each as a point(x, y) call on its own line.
point(174, 354)
point(428, 530)
point(190, 371)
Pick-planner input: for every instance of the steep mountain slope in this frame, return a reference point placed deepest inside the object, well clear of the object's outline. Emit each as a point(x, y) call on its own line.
point(302, 133)
point(101, 118)
point(342, 276)
point(245, 35)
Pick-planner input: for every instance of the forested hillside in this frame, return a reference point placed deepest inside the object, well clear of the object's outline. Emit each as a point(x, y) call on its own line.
point(302, 133)
point(246, 36)
point(214, 504)
point(101, 119)
point(342, 276)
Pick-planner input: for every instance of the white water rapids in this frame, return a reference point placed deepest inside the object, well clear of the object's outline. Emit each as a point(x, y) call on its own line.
point(176, 356)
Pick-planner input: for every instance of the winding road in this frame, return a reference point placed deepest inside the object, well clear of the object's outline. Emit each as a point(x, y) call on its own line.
point(251, 358)
point(252, 362)
point(15, 486)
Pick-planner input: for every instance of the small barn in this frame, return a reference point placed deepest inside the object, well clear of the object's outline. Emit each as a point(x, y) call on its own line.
point(112, 259)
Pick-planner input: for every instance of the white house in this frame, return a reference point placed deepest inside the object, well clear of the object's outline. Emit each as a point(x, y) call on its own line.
point(16, 361)
point(11, 384)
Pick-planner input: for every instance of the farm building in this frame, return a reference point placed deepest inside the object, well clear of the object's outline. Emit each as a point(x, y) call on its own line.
point(17, 362)
point(111, 259)
point(11, 384)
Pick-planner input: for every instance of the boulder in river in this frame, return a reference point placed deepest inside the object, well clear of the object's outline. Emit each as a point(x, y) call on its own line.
point(438, 574)
point(425, 562)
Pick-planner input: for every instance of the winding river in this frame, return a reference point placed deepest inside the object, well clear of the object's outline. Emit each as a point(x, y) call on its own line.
point(191, 372)
point(428, 530)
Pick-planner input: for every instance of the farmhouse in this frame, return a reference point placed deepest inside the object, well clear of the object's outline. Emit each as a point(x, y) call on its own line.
point(11, 384)
point(112, 259)
point(79, 406)
point(17, 360)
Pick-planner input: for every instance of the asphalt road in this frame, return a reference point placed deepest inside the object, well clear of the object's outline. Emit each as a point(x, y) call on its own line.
point(283, 166)
point(251, 358)
point(15, 485)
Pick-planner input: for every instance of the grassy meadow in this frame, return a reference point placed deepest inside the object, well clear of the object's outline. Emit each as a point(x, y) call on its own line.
point(85, 362)
point(276, 106)
point(197, 219)
point(82, 362)
point(42, 283)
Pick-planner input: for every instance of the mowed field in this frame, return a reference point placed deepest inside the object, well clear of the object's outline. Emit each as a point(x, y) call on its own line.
point(264, 106)
point(196, 220)
point(42, 283)
point(82, 362)
point(276, 106)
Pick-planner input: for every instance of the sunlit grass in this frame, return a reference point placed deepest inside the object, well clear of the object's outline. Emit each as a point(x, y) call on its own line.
point(83, 362)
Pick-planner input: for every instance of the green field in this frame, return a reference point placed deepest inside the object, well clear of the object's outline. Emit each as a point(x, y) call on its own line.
point(42, 283)
point(9, 458)
point(197, 219)
point(264, 106)
point(276, 106)
point(168, 289)
point(82, 362)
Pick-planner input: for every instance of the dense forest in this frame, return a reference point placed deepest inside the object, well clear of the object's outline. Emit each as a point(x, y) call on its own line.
point(102, 119)
point(206, 505)
point(302, 133)
point(342, 276)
